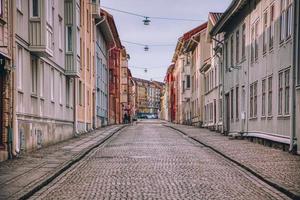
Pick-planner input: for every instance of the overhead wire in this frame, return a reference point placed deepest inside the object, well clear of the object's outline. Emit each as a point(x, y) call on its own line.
point(153, 45)
point(152, 17)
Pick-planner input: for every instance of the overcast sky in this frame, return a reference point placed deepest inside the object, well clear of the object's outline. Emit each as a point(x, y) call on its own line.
point(159, 32)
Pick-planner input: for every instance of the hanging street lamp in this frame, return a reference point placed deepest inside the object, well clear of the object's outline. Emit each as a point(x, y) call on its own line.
point(146, 21)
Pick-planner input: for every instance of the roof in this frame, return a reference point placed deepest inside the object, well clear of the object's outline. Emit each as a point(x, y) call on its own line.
point(112, 26)
point(215, 17)
point(191, 33)
point(184, 40)
point(228, 15)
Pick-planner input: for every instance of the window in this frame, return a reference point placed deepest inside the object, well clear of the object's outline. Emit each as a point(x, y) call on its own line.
point(256, 40)
point(282, 20)
point(270, 95)
point(80, 93)
point(237, 103)
point(19, 5)
point(50, 10)
point(20, 68)
point(289, 16)
point(69, 39)
point(252, 43)
point(188, 81)
point(68, 91)
point(41, 69)
point(231, 50)
point(263, 97)
point(265, 32)
point(231, 104)
point(271, 31)
point(52, 85)
point(1, 8)
point(226, 55)
point(88, 58)
point(35, 8)
point(60, 88)
point(220, 109)
point(60, 33)
point(253, 100)
point(287, 92)
point(244, 41)
point(34, 75)
point(237, 46)
point(280, 92)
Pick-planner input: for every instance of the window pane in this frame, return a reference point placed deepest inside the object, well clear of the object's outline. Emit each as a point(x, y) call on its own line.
point(35, 8)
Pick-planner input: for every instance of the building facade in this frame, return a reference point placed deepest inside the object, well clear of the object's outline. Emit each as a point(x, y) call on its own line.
point(148, 94)
point(258, 69)
point(6, 80)
point(44, 100)
point(211, 70)
point(103, 40)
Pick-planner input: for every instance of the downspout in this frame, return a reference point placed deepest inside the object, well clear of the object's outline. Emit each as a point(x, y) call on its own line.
point(11, 149)
point(14, 149)
point(293, 140)
point(108, 104)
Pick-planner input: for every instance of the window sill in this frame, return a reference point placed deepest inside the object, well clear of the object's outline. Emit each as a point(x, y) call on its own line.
point(263, 117)
point(283, 117)
point(270, 117)
point(253, 118)
point(264, 53)
point(34, 96)
point(42, 98)
point(20, 11)
point(52, 101)
point(2, 21)
point(61, 104)
point(271, 49)
point(20, 91)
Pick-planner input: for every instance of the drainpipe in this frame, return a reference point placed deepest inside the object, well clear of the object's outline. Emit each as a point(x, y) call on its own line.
point(14, 149)
point(222, 76)
point(295, 61)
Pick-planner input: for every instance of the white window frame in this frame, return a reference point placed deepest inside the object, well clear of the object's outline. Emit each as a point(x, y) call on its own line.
point(20, 68)
point(52, 84)
point(60, 32)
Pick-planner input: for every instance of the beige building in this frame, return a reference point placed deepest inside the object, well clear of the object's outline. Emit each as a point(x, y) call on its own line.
point(85, 104)
point(211, 70)
point(124, 85)
point(45, 67)
point(259, 70)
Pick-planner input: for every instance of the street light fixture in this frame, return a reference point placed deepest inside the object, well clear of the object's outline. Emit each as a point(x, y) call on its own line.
point(146, 48)
point(146, 21)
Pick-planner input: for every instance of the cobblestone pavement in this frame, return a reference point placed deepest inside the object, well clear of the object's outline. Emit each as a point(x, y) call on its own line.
point(151, 161)
point(274, 165)
point(18, 176)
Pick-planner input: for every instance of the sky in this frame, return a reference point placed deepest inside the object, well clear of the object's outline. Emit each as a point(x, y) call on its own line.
point(159, 32)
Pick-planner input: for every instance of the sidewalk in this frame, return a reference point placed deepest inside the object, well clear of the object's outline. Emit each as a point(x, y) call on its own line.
point(276, 166)
point(22, 175)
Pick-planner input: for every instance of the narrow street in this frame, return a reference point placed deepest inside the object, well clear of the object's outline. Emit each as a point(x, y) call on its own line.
point(151, 161)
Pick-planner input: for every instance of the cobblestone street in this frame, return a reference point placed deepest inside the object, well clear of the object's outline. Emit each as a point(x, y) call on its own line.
point(151, 161)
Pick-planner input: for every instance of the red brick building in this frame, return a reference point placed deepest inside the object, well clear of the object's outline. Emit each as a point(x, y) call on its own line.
point(114, 73)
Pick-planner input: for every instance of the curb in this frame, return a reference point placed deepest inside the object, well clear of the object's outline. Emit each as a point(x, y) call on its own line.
point(257, 175)
point(68, 165)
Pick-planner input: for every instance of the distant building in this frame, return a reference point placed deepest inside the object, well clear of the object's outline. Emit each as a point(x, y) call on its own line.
point(148, 94)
